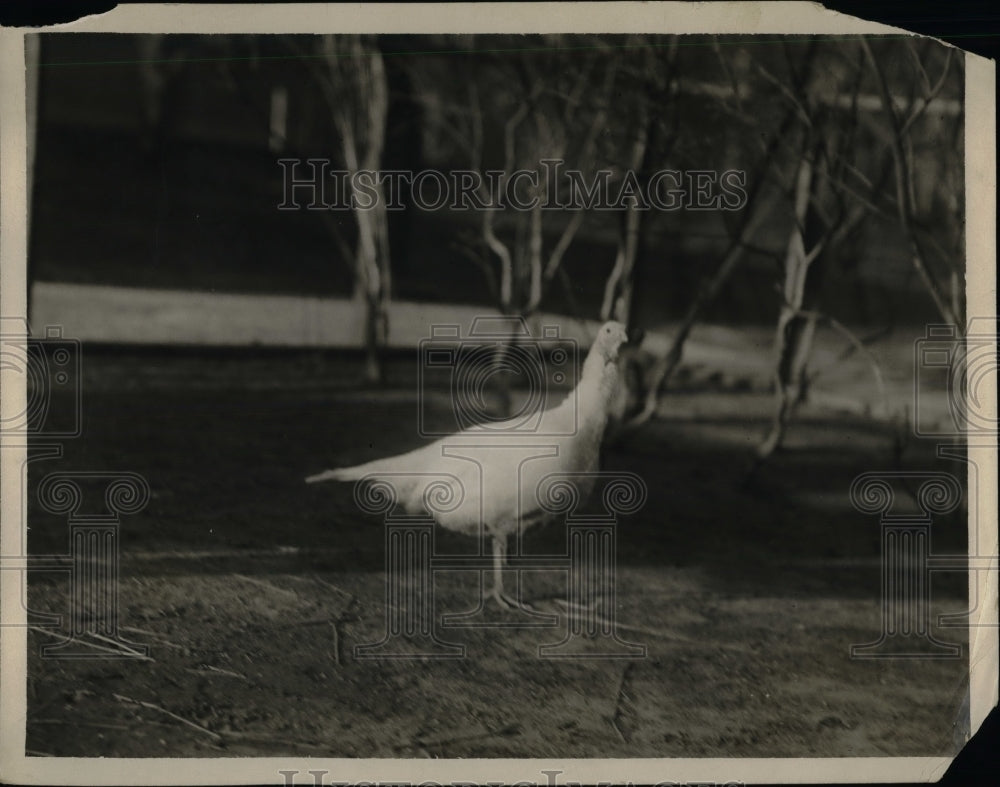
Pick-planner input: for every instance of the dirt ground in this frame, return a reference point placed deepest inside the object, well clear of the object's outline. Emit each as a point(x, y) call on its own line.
point(251, 589)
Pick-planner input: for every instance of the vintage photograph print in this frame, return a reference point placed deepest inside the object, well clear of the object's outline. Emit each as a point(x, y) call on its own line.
point(493, 395)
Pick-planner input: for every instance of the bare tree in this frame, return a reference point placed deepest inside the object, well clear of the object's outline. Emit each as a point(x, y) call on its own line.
point(837, 184)
point(553, 113)
point(653, 84)
point(796, 327)
point(752, 216)
point(825, 210)
point(901, 124)
point(532, 112)
point(353, 81)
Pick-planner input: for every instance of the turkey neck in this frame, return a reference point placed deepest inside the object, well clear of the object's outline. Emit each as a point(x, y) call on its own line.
point(596, 389)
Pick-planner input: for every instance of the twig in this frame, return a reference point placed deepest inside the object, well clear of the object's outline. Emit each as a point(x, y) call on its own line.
point(121, 647)
point(330, 585)
point(297, 623)
point(150, 706)
point(266, 585)
point(79, 723)
point(928, 96)
point(651, 632)
point(153, 635)
point(624, 706)
point(483, 264)
point(787, 93)
point(94, 645)
point(860, 347)
point(734, 84)
point(219, 670)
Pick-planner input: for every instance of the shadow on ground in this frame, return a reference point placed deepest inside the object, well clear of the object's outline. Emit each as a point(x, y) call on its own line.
point(253, 589)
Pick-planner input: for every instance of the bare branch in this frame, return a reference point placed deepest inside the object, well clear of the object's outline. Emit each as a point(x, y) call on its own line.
point(565, 239)
point(857, 344)
point(482, 263)
point(929, 96)
point(903, 190)
point(788, 94)
point(506, 263)
point(728, 71)
point(921, 71)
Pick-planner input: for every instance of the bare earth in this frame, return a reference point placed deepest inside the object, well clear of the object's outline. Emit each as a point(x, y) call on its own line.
point(252, 589)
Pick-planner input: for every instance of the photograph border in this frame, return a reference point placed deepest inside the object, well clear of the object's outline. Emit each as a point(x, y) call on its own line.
point(681, 18)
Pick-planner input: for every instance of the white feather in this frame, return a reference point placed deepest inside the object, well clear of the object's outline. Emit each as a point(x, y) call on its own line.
point(498, 480)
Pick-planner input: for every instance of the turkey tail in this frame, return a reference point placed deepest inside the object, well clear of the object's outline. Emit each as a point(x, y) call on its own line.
point(408, 487)
point(357, 472)
point(343, 474)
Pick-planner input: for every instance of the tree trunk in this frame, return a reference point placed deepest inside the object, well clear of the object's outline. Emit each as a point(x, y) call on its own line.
point(752, 217)
point(794, 335)
point(358, 95)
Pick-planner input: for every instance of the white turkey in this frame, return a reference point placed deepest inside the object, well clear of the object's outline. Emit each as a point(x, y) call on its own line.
point(496, 471)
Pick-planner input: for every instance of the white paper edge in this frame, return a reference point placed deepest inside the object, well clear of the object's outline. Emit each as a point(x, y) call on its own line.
point(981, 299)
point(719, 18)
